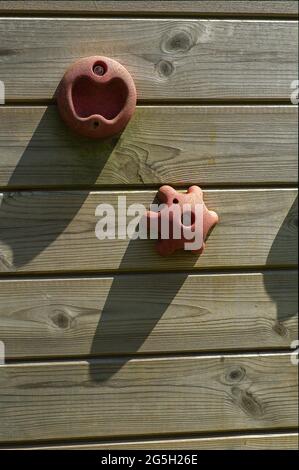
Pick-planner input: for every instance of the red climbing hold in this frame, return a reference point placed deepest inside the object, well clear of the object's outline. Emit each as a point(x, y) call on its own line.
point(96, 97)
point(186, 219)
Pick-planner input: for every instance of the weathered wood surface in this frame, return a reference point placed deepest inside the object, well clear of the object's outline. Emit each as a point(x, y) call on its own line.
point(241, 442)
point(168, 7)
point(55, 232)
point(159, 313)
point(169, 59)
point(205, 145)
point(109, 397)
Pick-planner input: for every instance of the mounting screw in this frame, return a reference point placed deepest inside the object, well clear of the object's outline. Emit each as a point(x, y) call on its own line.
point(99, 70)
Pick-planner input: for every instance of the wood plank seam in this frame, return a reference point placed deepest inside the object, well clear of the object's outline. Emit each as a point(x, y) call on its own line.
point(179, 440)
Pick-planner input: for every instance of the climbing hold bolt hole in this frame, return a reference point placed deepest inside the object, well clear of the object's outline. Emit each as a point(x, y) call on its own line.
point(96, 124)
point(99, 69)
point(175, 201)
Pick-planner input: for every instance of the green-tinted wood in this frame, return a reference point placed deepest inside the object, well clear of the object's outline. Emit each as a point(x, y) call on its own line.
point(205, 145)
point(55, 232)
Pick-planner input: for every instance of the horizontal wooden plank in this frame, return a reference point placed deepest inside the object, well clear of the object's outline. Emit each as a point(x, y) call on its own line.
point(165, 7)
point(55, 232)
point(168, 59)
point(267, 441)
point(159, 313)
point(207, 145)
point(105, 398)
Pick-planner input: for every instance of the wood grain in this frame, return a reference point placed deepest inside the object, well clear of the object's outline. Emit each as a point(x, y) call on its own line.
point(105, 398)
point(207, 145)
point(159, 313)
point(178, 7)
point(169, 59)
point(243, 442)
point(55, 232)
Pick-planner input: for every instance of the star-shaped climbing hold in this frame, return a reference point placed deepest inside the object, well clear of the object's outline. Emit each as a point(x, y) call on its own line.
point(182, 220)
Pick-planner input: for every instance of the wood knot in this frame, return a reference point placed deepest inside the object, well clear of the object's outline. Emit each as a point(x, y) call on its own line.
point(61, 319)
point(177, 41)
point(247, 402)
point(164, 68)
point(280, 329)
point(235, 374)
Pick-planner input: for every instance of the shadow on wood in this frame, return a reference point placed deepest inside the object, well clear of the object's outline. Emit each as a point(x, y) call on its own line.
point(132, 300)
point(26, 227)
point(286, 308)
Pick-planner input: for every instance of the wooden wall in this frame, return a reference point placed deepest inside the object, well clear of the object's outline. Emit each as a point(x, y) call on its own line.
point(108, 345)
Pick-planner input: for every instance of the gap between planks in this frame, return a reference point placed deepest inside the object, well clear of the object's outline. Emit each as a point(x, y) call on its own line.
point(178, 102)
point(153, 16)
point(151, 356)
point(148, 442)
point(229, 271)
point(244, 9)
point(146, 187)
